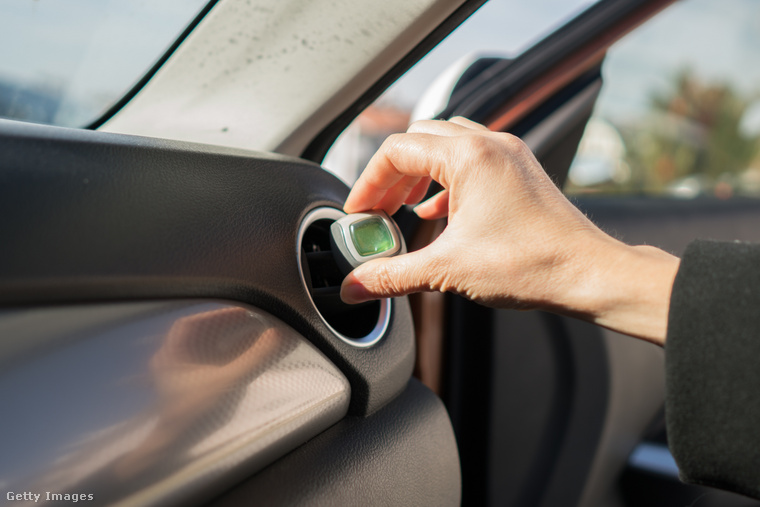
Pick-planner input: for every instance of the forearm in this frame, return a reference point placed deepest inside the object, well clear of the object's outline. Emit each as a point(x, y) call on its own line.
point(623, 288)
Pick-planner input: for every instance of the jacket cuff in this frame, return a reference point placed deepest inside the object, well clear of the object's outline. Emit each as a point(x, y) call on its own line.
point(713, 366)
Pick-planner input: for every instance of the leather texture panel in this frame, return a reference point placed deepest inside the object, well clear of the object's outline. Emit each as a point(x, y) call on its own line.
point(91, 216)
point(155, 403)
point(404, 454)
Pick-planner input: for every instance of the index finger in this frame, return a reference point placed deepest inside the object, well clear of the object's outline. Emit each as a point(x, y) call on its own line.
point(411, 154)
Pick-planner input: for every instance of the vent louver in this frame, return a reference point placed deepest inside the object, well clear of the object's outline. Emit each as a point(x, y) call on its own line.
point(360, 325)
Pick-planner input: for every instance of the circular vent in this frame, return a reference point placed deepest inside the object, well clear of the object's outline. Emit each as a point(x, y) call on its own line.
point(360, 325)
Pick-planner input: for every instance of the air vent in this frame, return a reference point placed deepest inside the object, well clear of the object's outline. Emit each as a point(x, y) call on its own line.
point(360, 325)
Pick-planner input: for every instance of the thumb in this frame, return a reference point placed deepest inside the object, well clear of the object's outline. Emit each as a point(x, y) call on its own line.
point(389, 277)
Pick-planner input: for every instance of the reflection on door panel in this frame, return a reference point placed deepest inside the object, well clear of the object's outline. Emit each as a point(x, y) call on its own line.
point(139, 403)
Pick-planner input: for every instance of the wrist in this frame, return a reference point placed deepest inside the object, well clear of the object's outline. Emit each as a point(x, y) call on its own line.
point(624, 288)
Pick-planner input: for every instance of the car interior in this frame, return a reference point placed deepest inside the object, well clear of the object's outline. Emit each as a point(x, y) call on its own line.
point(171, 331)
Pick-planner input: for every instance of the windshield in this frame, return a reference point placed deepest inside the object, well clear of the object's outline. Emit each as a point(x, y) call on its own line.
point(66, 63)
point(255, 74)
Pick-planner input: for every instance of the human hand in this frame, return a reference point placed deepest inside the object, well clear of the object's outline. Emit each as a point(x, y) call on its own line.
point(512, 241)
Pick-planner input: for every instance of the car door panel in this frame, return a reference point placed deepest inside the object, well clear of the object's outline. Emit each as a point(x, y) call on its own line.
point(94, 216)
point(103, 234)
point(397, 456)
point(156, 403)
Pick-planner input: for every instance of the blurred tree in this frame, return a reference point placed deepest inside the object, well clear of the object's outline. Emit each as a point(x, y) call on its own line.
point(691, 129)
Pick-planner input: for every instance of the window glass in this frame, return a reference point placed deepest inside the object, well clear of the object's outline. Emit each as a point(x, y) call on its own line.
point(679, 111)
point(501, 27)
point(66, 62)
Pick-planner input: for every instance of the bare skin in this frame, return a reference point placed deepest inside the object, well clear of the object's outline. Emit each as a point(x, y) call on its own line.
point(512, 241)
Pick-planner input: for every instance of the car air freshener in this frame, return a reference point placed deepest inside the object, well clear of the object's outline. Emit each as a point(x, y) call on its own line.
point(360, 237)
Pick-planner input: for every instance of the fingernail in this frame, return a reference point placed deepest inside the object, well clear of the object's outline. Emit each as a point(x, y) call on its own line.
point(354, 292)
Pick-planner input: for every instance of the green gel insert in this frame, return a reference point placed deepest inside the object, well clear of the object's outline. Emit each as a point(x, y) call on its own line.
point(371, 236)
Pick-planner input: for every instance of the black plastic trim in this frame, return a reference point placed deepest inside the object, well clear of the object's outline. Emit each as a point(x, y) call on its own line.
point(533, 119)
point(468, 390)
point(505, 79)
point(501, 465)
point(558, 421)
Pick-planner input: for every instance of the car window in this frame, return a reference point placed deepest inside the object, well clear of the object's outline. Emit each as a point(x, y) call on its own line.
point(501, 27)
point(679, 111)
point(66, 63)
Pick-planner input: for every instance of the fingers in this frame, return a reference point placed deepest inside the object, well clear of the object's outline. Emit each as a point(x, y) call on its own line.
point(464, 122)
point(401, 170)
point(408, 190)
point(398, 194)
point(435, 207)
point(390, 277)
point(415, 155)
point(418, 192)
point(453, 127)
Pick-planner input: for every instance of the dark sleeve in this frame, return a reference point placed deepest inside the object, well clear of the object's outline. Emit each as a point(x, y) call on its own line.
point(713, 366)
